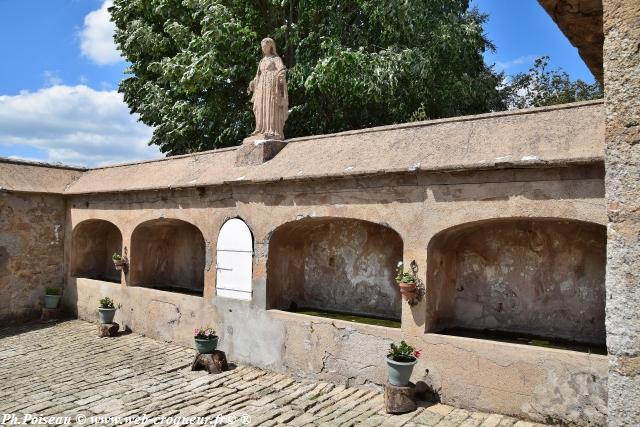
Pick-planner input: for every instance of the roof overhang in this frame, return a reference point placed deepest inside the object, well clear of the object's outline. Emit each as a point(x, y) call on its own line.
point(581, 22)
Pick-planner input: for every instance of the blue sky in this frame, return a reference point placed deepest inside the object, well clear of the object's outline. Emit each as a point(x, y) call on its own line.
point(60, 71)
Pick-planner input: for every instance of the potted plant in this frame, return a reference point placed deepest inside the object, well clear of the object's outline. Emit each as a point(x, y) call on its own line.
point(406, 280)
point(118, 261)
point(400, 360)
point(206, 340)
point(107, 310)
point(52, 297)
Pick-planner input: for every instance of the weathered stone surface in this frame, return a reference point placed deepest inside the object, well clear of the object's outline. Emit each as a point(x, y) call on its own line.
point(214, 363)
point(520, 275)
point(622, 99)
point(95, 241)
point(581, 22)
point(255, 152)
point(399, 400)
point(572, 133)
point(125, 381)
point(31, 177)
point(168, 253)
point(32, 231)
point(108, 329)
point(341, 265)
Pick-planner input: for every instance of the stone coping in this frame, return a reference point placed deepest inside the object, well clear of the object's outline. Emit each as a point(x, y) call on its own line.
point(301, 317)
point(570, 134)
point(472, 344)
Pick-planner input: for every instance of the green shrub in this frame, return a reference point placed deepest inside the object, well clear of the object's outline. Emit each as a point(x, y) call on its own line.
point(403, 352)
point(52, 291)
point(107, 302)
point(403, 276)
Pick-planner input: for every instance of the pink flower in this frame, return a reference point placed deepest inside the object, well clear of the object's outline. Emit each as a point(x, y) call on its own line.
point(207, 332)
point(418, 353)
point(196, 332)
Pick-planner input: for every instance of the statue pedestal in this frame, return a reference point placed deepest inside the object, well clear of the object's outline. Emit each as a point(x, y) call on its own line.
point(255, 151)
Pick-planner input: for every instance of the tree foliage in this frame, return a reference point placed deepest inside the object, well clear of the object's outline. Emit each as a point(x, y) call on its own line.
point(541, 87)
point(352, 64)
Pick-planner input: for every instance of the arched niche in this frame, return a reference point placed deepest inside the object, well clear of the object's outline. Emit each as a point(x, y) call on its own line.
point(537, 277)
point(168, 254)
point(335, 264)
point(92, 246)
point(234, 265)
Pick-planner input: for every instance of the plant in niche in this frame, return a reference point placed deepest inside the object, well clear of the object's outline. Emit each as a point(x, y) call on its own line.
point(52, 291)
point(403, 352)
point(116, 256)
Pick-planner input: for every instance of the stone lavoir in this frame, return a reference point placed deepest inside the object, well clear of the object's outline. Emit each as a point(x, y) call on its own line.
point(282, 245)
point(505, 220)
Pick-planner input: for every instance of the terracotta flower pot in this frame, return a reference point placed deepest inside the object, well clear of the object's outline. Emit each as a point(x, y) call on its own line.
point(407, 290)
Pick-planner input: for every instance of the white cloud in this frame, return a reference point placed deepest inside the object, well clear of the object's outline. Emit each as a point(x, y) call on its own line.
point(521, 60)
point(96, 37)
point(75, 125)
point(51, 78)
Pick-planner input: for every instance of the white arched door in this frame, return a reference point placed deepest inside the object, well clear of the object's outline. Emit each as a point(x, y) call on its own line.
point(234, 260)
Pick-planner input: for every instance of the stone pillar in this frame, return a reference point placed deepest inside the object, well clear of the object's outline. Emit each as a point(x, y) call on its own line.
point(622, 159)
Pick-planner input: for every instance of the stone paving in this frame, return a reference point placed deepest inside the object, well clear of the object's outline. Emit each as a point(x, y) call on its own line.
point(65, 370)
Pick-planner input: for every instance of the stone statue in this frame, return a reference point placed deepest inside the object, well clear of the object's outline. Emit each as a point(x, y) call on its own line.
point(270, 98)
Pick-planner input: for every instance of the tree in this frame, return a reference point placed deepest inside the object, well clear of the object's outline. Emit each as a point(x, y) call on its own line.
point(352, 64)
point(541, 87)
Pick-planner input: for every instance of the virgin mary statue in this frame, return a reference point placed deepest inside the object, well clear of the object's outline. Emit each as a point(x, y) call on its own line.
point(270, 98)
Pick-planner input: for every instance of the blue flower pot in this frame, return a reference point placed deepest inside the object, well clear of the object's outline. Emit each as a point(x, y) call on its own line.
point(400, 372)
point(51, 301)
point(206, 346)
point(106, 315)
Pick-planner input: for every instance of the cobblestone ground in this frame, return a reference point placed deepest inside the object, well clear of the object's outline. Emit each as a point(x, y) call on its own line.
point(66, 370)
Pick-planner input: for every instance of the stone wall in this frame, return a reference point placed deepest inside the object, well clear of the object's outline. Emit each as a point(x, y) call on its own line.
point(414, 208)
point(168, 253)
point(536, 277)
point(32, 231)
point(622, 99)
point(335, 265)
point(93, 245)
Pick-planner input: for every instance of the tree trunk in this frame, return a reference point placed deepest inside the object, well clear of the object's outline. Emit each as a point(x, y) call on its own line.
point(398, 400)
point(213, 363)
